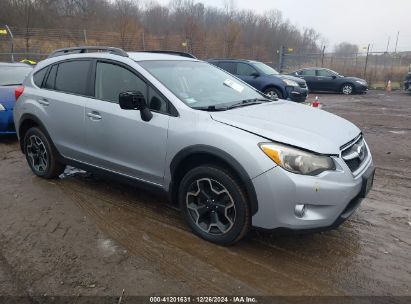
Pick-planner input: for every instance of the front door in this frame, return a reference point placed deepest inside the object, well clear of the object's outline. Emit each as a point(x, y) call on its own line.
point(119, 140)
point(249, 74)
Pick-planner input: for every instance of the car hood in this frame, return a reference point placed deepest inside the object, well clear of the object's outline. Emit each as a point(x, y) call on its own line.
point(293, 124)
point(296, 79)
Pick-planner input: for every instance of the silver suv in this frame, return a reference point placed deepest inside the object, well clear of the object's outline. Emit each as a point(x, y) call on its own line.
point(228, 156)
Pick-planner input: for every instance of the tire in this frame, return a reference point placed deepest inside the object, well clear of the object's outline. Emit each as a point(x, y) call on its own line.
point(273, 93)
point(40, 154)
point(347, 89)
point(216, 195)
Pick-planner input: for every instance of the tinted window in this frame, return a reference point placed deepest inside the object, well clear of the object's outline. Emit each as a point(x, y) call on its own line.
point(325, 73)
point(307, 73)
point(156, 102)
point(73, 76)
point(228, 66)
point(39, 77)
point(111, 80)
point(13, 75)
point(51, 79)
point(244, 69)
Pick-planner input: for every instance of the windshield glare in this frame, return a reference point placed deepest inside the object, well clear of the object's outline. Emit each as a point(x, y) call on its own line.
point(265, 68)
point(13, 75)
point(199, 84)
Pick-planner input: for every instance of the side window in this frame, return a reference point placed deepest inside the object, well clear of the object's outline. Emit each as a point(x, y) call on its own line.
point(156, 103)
point(307, 73)
point(324, 73)
point(111, 80)
point(51, 79)
point(227, 66)
point(244, 69)
point(73, 76)
point(39, 77)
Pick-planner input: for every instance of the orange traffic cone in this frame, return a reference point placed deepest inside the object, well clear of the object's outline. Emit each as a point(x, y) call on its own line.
point(389, 88)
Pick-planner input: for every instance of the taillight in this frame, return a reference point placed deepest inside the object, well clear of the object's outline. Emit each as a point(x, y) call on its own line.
point(19, 90)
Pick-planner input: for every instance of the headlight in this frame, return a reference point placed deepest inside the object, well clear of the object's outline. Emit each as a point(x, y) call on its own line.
point(2, 108)
point(361, 82)
point(290, 83)
point(297, 161)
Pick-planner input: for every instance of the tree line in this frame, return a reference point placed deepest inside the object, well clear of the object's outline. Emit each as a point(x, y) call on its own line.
point(225, 32)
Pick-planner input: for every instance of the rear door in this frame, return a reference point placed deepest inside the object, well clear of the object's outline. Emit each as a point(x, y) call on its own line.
point(119, 140)
point(62, 100)
point(310, 77)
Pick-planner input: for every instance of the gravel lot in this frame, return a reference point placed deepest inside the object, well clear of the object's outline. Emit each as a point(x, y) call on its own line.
point(82, 235)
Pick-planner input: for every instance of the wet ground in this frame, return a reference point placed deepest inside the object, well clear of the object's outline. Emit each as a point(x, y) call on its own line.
point(82, 235)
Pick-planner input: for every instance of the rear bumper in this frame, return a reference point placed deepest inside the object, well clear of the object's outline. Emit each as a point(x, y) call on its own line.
point(7, 123)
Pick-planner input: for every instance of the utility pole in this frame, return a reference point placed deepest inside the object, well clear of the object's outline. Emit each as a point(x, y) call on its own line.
point(322, 56)
point(396, 42)
point(388, 44)
point(366, 62)
point(12, 42)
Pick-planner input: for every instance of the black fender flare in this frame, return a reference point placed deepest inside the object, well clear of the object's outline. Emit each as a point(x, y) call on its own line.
point(225, 157)
point(37, 121)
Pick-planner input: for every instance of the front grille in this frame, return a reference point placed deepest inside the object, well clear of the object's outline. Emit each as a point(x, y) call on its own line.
point(354, 153)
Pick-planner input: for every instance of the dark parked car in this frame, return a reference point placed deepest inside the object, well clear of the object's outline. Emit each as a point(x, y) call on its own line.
point(407, 82)
point(264, 78)
point(319, 79)
point(12, 76)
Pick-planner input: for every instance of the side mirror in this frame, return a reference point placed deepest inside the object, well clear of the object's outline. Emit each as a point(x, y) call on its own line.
point(255, 74)
point(334, 77)
point(135, 101)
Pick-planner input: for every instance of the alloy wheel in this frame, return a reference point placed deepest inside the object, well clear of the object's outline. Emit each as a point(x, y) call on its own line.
point(347, 89)
point(211, 206)
point(272, 94)
point(37, 153)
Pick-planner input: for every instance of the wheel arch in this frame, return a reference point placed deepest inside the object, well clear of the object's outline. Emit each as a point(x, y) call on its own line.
point(202, 154)
point(28, 121)
point(277, 87)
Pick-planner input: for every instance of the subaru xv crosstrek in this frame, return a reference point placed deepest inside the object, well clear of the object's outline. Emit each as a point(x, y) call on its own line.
point(228, 156)
point(265, 79)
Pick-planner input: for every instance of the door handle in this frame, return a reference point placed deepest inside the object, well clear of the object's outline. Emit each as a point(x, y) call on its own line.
point(94, 115)
point(43, 101)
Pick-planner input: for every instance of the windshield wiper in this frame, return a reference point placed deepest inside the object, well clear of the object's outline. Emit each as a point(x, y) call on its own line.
point(210, 108)
point(10, 84)
point(248, 102)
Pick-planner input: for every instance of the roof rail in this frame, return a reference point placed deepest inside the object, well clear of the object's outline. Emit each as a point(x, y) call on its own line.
point(88, 49)
point(177, 53)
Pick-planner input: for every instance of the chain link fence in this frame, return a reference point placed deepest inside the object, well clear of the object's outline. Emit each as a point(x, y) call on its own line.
point(376, 67)
point(37, 43)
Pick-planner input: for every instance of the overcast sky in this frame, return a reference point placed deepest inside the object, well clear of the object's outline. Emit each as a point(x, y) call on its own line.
point(356, 21)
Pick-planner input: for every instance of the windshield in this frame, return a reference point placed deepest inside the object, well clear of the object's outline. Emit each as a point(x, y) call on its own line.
point(13, 75)
point(199, 84)
point(265, 68)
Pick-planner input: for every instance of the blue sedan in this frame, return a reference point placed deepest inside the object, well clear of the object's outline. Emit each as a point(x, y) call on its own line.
point(11, 77)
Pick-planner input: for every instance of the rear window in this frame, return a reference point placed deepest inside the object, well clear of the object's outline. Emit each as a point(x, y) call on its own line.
point(13, 75)
point(51, 79)
point(39, 77)
point(72, 77)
